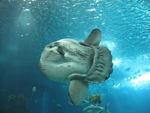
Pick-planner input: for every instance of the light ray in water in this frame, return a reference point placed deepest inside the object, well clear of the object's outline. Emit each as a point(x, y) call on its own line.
point(141, 81)
point(143, 78)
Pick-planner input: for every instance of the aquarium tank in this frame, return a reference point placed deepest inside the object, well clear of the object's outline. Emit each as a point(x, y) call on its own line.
point(27, 26)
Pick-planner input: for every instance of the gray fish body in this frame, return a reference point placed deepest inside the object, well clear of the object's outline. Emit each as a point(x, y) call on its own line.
point(93, 109)
point(78, 62)
point(58, 67)
point(96, 109)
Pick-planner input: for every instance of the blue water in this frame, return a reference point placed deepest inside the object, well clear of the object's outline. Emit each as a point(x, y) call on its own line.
point(26, 26)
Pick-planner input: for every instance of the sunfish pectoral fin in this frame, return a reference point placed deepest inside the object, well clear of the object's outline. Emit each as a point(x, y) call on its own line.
point(77, 91)
point(94, 37)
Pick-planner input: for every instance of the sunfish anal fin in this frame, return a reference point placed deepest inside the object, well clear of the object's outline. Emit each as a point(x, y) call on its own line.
point(77, 91)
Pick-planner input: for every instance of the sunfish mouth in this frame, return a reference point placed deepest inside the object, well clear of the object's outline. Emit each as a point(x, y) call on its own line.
point(60, 50)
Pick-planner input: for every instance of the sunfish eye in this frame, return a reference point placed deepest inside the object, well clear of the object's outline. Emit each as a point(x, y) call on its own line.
point(53, 44)
point(50, 46)
point(60, 50)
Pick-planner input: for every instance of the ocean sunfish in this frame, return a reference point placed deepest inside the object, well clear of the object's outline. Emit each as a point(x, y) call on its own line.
point(95, 109)
point(79, 63)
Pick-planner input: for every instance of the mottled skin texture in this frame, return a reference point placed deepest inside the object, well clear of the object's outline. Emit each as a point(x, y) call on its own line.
point(78, 62)
point(58, 67)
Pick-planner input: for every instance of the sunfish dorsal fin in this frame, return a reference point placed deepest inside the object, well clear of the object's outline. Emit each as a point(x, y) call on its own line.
point(94, 37)
point(77, 91)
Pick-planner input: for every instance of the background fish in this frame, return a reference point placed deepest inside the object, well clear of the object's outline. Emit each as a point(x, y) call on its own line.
point(95, 109)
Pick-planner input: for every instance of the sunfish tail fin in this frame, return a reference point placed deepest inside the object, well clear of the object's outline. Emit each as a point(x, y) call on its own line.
point(106, 107)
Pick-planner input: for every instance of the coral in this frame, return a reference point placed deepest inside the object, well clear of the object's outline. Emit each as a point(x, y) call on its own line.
point(11, 97)
point(22, 98)
point(16, 104)
point(95, 99)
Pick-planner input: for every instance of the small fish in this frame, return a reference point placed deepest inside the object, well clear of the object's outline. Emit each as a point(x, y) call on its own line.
point(95, 99)
point(59, 105)
point(95, 109)
point(33, 90)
